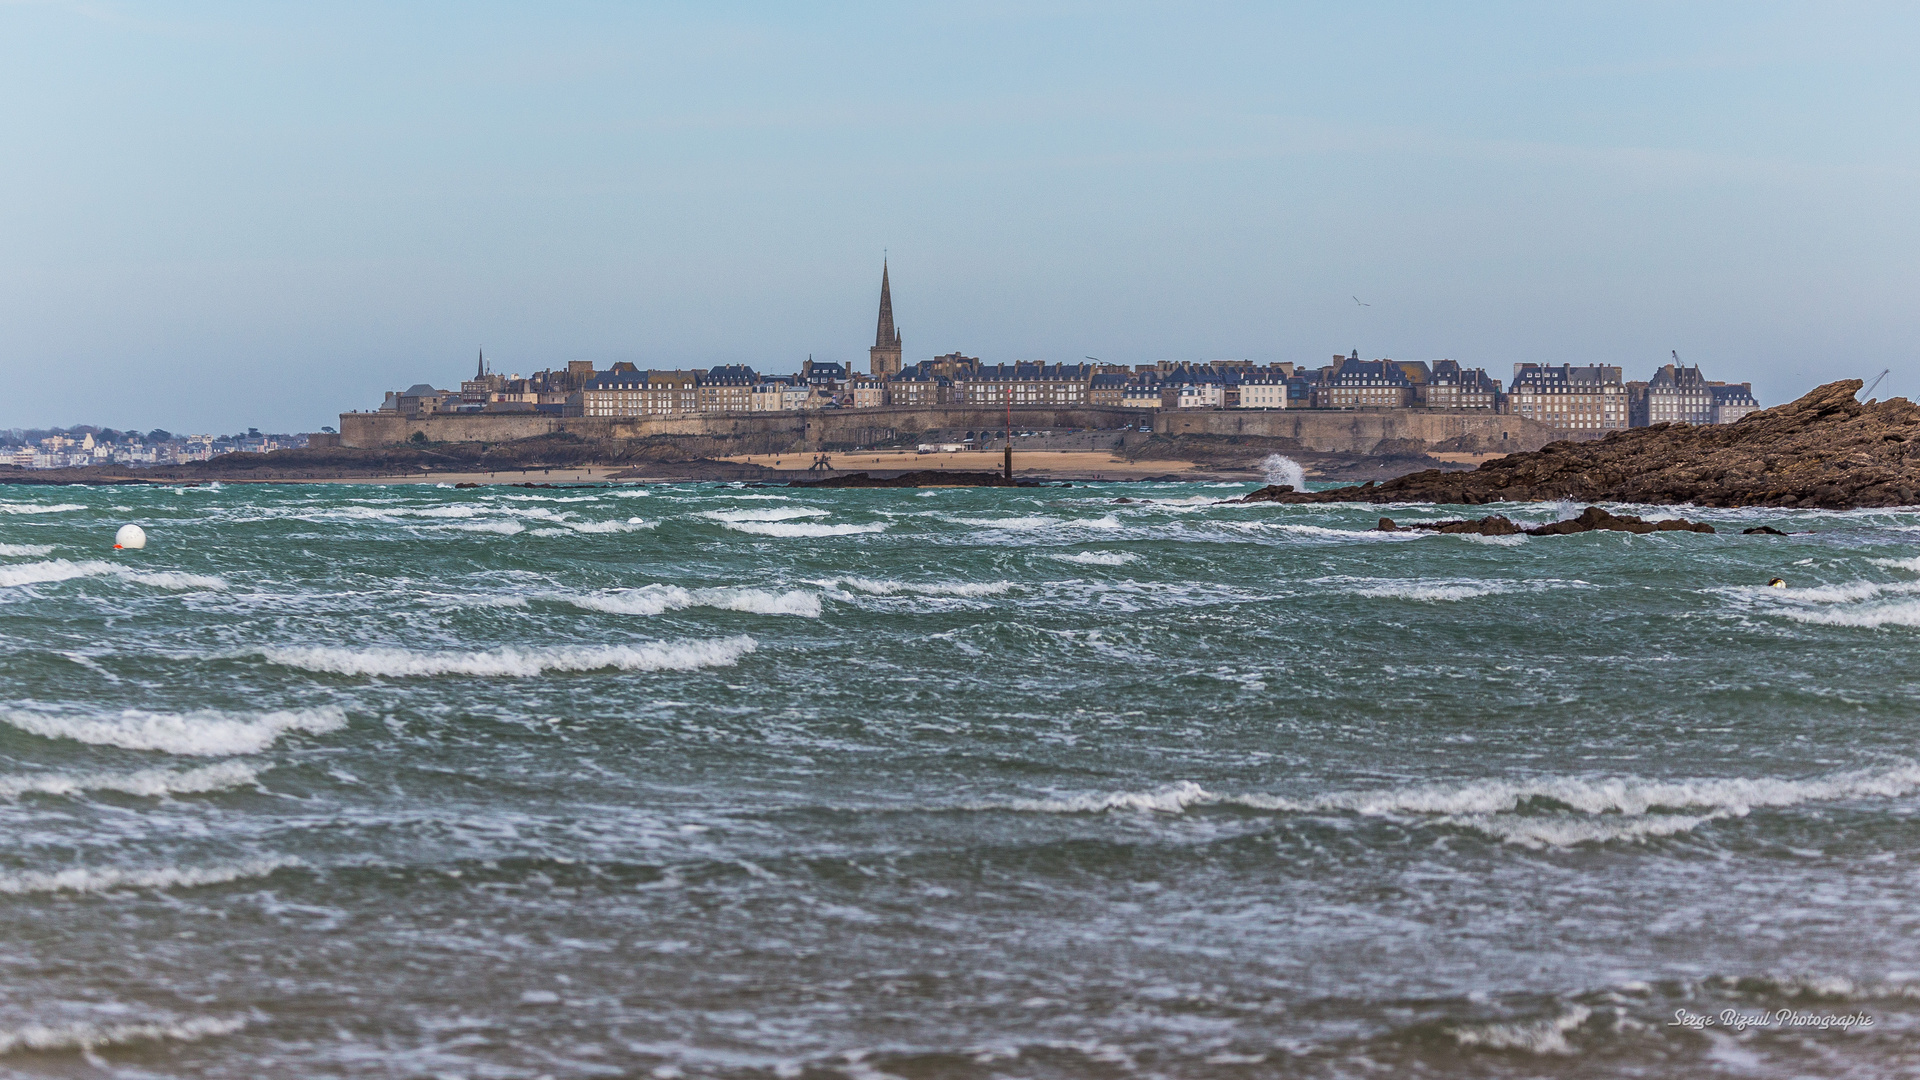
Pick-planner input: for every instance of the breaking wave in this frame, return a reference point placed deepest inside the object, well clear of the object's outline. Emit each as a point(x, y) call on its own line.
point(799, 529)
point(82, 879)
point(1098, 558)
point(1549, 812)
point(1428, 593)
point(917, 588)
point(1545, 1036)
point(778, 513)
point(34, 508)
point(515, 661)
point(20, 550)
point(564, 528)
point(150, 782)
point(64, 570)
point(655, 599)
point(205, 733)
point(82, 1037)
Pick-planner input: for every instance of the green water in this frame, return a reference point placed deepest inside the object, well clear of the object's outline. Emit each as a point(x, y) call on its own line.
point(715, 781)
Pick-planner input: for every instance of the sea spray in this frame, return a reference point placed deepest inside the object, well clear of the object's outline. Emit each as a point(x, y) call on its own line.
point(1281, 469)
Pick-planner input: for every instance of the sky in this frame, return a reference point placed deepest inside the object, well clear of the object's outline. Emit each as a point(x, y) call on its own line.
point(222, 215)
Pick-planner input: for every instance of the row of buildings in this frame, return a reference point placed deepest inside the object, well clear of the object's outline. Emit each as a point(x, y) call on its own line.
point(82, 447)
point(1566, 397)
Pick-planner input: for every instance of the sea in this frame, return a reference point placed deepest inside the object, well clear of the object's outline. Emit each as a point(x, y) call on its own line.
point(1100, 781)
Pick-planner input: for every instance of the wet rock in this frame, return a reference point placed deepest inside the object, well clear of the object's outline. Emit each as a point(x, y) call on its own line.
point(1387, 525)
point(1762, 530)
point(1594, 519)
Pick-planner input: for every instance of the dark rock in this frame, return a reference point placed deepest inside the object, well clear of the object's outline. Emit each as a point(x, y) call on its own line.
point(1387, 525)
point(465, 485)
point(1594, 519)
point(1494, 525)
point(1762, 530)
point(1826, 450)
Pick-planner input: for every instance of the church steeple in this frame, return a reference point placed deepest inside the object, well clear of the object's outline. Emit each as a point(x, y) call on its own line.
point(481, 373)
point(885, 354)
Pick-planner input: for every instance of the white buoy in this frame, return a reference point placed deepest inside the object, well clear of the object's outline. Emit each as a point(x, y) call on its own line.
point(130, 537)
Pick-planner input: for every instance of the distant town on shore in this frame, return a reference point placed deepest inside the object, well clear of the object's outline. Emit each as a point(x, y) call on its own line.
point(1576, 401)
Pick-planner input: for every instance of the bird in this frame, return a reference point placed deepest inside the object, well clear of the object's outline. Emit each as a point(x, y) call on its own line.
point(1361, 302)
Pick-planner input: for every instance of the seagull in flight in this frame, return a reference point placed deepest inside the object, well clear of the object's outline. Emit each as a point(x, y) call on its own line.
point(1362, 303)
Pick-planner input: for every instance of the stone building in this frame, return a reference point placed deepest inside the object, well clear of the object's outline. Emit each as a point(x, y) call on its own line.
point(1454, 387)
point(1682, 395)
point(1569, 398)
point(1364, 384)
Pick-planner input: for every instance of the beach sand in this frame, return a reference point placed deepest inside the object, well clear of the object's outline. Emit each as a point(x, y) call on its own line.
point(1078, 464)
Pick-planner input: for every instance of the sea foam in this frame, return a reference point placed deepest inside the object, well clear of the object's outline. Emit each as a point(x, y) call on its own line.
point(24, 550)
point(516, 661)
point(83, 879)
point(34, 508)
point(84, 1038)
point(779, 513)
point(205, 733)
point(151, 782)
point(1544, 812)
point(64, 570)
point(801, 528)
point(656, 599)
point(919, 588)
point(1098, 558)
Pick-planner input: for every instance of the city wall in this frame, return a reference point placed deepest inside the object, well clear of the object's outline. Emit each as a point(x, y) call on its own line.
point(1357, 431)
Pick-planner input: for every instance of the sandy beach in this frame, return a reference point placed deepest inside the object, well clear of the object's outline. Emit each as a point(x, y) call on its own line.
point(1087, 464)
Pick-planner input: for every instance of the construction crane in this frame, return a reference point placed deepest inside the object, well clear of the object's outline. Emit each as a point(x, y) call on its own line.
point(1867, 394)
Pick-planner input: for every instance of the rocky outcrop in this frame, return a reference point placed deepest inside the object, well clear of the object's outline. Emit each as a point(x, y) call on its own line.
point(1592, 519)
point(1825, 450)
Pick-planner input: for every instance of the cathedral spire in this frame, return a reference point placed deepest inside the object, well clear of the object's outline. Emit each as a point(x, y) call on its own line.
point(481, 373)
point(885, 336)
point(885, 354)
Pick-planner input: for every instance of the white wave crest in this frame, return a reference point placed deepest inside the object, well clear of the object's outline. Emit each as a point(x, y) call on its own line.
point(24, 550)
point(63, 570)
point(83, 879)
point(514, 661)
point(918, 588)
point(1602, 809)
point(35, 508)
point(1428, 593)
point(801, 528)
point(1017, 524)
point(150, 782)
point(1546, 1036)
point(205, 733)
point(82, 1037)
point(1167, 800)
point(655, 599)
point(1902, 613)
point(503, 528)
point(566, 528)
point(1098, 558)
point(174, 579)
point(777, 513)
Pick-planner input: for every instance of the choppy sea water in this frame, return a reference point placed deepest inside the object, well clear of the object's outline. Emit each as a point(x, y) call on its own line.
point(716, 781)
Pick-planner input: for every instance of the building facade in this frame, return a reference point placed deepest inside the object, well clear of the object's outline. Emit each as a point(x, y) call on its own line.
point(1569, 398)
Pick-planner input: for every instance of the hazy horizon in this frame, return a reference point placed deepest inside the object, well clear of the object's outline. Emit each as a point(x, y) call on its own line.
point(220, 217)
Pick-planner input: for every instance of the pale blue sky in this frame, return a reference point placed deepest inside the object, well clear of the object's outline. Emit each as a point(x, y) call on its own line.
point(215, 215)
